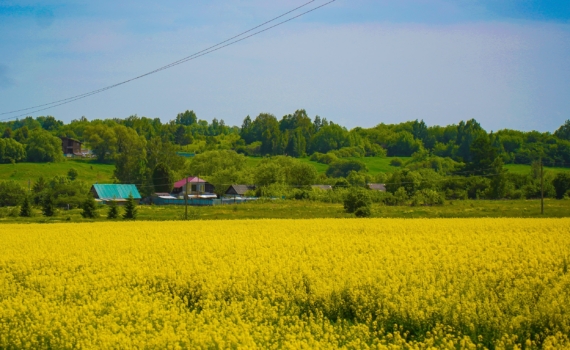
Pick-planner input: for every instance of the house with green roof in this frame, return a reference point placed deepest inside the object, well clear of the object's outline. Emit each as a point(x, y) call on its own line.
point(115, 192)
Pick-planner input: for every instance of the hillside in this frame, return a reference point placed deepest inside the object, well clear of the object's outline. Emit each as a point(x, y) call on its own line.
point(89, 171)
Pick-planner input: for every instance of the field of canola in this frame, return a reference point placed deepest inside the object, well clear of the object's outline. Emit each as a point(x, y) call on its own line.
point(324, 283)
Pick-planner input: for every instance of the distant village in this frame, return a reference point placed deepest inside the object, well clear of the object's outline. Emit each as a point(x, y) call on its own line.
point(192, 190)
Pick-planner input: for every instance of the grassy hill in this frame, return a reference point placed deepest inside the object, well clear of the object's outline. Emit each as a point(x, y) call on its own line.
point(92, 172)
point(88, 170)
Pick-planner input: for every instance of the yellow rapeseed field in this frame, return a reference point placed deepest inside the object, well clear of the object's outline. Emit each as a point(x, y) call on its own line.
point(324, 283)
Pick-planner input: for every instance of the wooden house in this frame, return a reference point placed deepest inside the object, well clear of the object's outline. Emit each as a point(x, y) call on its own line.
point(196, 186)
point(70, 147)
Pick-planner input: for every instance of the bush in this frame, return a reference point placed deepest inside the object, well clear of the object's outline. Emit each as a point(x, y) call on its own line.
point(396, 162)
point(341, 168)
point(427, 197)
point(301, 194)
point(561, 184)
point(363, 212)
point(347, 152)
point(356, 198)
point(72, 174)
point(323, 158)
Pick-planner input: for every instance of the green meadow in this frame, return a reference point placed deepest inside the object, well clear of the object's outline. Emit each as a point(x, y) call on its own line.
point(88, 171)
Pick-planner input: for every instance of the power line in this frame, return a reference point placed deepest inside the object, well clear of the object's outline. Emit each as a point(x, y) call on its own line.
point(219, 46)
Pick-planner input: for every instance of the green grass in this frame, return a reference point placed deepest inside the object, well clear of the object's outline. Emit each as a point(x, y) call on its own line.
point(525, 169)
point(379, 165)
point(88, 170)
point(291, 209)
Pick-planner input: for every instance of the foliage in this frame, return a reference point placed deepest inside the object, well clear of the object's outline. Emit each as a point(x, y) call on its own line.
point(162, 178)
point(341, 167)
point(113, 211)
point(11, 193)
point(186, 118)
point(26, 209)
point(323, 158)
point(48, 205)
point(89, 208)
point(396, 162)
point(564, 131)
point(130, 161)
point(561, 184)
point(355, 199)
point(130, 208)
point(11, 151)
point(42, 146)
point(72, 174)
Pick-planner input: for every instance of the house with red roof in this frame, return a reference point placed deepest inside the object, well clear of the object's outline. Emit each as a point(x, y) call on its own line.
point(196, 186)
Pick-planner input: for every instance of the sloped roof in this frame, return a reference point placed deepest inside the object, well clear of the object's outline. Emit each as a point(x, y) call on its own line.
point(69, 138)
point(110, 191)
point(240, 189)
point(191, 179)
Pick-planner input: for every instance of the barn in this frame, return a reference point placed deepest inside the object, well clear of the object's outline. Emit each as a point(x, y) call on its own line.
point(115, 192)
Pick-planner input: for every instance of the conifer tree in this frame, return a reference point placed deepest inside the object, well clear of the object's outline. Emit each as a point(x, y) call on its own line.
point(26, 210)
point(48, 207)
point(130, 208)
point(113, 212)
point(89, 207)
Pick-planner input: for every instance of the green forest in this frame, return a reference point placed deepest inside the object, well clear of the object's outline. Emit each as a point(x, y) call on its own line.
point(284, 157)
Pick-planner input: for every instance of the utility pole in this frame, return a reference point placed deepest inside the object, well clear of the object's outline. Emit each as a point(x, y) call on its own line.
point(541, 188)
point(186, 199)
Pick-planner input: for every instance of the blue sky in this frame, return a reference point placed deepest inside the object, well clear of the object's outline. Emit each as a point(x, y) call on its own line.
point(358, 62)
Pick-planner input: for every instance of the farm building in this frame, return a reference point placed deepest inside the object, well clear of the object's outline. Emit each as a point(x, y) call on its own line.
point(113, 192)
point(71, 147)
point(377, 187)
point(195, 185)
point(239, 190)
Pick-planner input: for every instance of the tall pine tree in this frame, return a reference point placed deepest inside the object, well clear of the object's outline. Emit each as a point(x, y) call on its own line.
point(130, 208)
point(113, 212)
point(89, 207)
point(26, 210)
point(48, 206)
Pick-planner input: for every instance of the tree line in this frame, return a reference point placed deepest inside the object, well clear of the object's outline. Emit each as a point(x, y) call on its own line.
point(455, 161)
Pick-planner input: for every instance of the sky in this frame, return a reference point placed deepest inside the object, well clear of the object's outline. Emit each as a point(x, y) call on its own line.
point(505, 63)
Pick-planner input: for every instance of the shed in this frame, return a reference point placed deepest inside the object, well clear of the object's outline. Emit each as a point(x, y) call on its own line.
point(239, 190)
point(71, 146)
point(377, 187)
point(115, 192)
